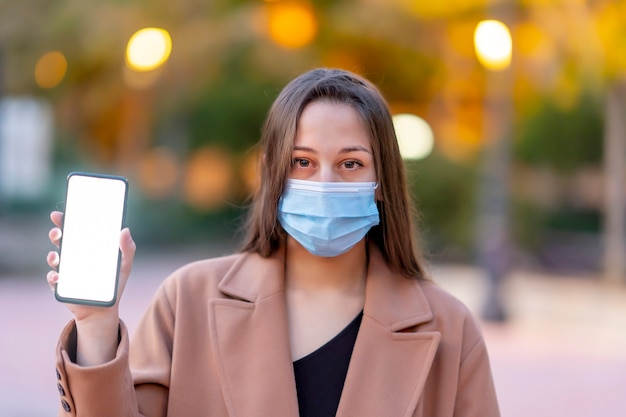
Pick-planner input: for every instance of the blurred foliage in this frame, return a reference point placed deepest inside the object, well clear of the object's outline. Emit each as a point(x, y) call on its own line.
point(170, 223)
point(443, 191)
point(527, 227)
point(230, 112)
point(573, 220)
point(563, 139)
point(225, 70)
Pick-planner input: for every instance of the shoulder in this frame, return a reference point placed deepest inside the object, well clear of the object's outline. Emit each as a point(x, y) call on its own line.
point(449, 315)
point(462, 359)
point(441, 301)
point(202, 277)
point(207, 267)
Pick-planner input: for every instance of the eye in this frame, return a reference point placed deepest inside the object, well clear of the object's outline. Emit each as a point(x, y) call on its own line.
point(352, 164)
point(300, 163)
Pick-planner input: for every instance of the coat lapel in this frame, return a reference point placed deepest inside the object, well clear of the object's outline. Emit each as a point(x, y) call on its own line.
point(391, 360)
point(249, 334)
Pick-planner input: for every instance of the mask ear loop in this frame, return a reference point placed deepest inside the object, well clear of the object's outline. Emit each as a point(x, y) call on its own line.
point(378, 195)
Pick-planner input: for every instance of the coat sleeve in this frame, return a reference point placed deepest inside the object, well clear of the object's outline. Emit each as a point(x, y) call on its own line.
point(95, 391)
point(134, 384)
point(476, 394)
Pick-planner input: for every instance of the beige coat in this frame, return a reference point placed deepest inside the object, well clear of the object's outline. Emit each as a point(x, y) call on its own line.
point(214, 342)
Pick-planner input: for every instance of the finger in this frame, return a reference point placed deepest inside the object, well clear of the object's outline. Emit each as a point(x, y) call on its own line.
point(57, 218)
point(55, 235)
point(52, 277)
point(128, 248)
point(53, 259)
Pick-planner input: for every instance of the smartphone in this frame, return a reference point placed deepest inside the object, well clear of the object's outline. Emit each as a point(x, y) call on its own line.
point(89, 254)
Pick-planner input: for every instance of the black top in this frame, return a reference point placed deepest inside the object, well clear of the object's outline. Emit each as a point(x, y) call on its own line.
point(321, 374)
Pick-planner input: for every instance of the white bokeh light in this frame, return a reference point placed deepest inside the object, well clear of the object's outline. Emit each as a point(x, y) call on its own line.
point(148, 49)
point(415, 137)
point(493, 44)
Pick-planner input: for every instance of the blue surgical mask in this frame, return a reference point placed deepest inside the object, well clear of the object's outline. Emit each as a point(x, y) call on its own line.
point(328, 218)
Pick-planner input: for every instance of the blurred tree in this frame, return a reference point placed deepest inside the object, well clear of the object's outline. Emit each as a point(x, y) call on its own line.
point(444, 191)
point(230, 112)
point(563, 140)
point(225, 70)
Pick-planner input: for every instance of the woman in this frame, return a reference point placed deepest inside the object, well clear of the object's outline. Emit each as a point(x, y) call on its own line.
point(326, 311)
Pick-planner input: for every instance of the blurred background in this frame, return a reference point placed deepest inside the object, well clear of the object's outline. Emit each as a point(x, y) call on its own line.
point(511, 116)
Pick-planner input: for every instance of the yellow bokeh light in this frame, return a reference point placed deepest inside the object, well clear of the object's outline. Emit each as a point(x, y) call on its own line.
point(148, 49)
point(415, 137)
point(493, 44)
point(50, 69)
point(291, 24)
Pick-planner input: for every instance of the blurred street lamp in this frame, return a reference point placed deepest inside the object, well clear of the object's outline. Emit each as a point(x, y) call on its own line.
point(1, 121)
point(615, 202)
point(493, 45)
point(148, 49)
point(415, 137)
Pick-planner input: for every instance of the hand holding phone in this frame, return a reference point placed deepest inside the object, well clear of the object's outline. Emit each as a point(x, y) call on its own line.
point(89, 259)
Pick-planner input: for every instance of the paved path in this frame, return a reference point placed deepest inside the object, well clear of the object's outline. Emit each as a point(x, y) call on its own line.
point(563, 353)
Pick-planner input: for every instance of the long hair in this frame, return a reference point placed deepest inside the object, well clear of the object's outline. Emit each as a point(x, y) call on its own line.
point(395, 236)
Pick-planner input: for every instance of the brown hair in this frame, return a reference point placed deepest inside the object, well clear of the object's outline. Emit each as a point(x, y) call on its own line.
point(395, 236)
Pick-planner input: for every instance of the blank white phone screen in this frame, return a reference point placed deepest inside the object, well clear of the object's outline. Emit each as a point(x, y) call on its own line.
point(89, 256)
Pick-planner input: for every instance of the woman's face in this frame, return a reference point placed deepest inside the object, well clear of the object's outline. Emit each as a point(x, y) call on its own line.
point(332, 145)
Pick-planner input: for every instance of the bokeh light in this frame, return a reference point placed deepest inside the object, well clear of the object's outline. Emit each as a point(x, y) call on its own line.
point(159, 171)
point(291, 24)
point(415, 137)
point(148, 49)
point(493, 44)
point(251, 170)
point(208, 179)
point(50, 69)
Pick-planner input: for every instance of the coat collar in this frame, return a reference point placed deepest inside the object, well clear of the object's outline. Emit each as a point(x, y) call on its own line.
point(390, 299)
point(391, 358)
point(252, 277)
point(249, 333)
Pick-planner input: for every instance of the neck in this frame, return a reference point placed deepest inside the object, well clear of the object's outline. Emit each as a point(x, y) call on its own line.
point(345, 273)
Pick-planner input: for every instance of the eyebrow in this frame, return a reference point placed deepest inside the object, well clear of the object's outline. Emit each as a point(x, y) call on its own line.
point(342, 150)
